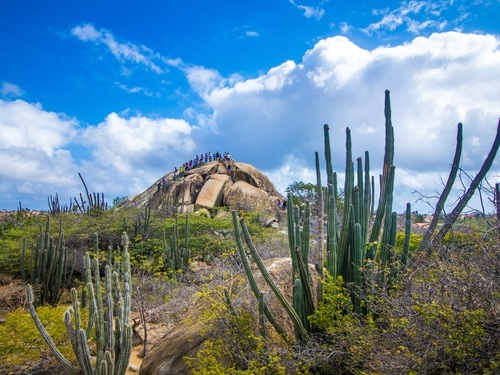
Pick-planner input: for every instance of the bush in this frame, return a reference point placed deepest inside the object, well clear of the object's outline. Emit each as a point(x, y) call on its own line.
point(443, 321)
point(21, 344)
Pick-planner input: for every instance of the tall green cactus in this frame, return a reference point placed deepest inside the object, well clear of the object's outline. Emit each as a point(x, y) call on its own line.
point(112, 333)
point(177, 257)
point(251, 280)
point(353, 246)
point(49, 264)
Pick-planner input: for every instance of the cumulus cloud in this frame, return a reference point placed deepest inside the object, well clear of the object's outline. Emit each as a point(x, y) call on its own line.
point(27, 125)
point(436, 82)
point(137, 142)
point(34, 150)
point(275, 121)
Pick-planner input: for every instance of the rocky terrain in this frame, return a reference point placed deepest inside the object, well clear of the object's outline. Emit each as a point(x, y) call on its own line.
point(210, 185)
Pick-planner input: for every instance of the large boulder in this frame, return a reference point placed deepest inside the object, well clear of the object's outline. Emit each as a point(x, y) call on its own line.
point(254, 177)
point(212, 191)
point(243, 196)
point(186, 338)
point(209, 185)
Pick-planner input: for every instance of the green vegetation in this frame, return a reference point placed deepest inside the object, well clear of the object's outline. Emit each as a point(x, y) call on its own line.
point(385, 300)
point(21, 344)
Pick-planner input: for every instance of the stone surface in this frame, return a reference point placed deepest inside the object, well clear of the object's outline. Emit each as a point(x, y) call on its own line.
point(212, 192)
point(208, 186)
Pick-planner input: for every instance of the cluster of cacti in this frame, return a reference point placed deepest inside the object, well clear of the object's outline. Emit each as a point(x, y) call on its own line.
point(177, 256)
point(55, 208)
point(141, 225)
point(352, 245)
point(94, 205)
point(49, 266)
point(108, 320)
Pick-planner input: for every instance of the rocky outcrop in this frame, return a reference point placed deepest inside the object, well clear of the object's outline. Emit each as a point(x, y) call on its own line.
point(186, 338)
point(210, 185)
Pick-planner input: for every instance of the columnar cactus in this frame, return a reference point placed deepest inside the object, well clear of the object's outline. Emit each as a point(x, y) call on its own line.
point(176, 256)
point(253, 285)
point(352, 246)
point(113, 333)
point(49, 265)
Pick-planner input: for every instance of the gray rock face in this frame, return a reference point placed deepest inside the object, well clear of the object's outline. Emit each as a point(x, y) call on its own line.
point(210, 185)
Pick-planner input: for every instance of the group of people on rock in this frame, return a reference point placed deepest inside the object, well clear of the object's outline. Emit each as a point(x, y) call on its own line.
point(163, 184)
point(199, 160)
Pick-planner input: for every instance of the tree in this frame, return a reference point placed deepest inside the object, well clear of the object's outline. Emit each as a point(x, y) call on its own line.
point(302, 192)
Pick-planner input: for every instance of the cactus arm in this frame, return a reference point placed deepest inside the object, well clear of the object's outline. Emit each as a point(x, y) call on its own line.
point(298, 305)
point(358, 265)
point(45, 335)
point(457, 210)
point(425, 244)
point(251, 278)
point(267, 277)
point(332, 237)
point(406, 244)
point(321, 228)
point(306, 234)
point(306, 289)
point(292, 236)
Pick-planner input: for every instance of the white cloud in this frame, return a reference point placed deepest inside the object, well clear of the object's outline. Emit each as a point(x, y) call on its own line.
point(203, 80)
point(27, 125)
point(309, 11)
point(252, 34)
point(9, 90)
point(275, 121)
point(34, 151)
point(435, 82)
point(135, 143)
point(123, 52)
point(417, 15)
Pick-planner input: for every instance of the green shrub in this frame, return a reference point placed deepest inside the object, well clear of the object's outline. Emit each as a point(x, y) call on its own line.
point(22, 345)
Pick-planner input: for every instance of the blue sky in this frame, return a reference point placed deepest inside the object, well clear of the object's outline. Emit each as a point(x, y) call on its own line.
point(123, 92)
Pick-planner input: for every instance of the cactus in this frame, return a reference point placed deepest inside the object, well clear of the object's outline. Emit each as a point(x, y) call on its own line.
point(431, 238)
point(321, 231)
point(352, 248)
point(177, 257)
point(49, 264)
point(302, 332)
point(253, 284)
point(406, 245)
point(142, 222)
point(113, 334)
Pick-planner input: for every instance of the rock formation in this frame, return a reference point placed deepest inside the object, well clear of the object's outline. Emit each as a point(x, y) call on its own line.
point(209, 186)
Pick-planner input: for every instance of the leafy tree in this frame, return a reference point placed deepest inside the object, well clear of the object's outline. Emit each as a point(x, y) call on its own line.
point(302, 192)
point(117, 201)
